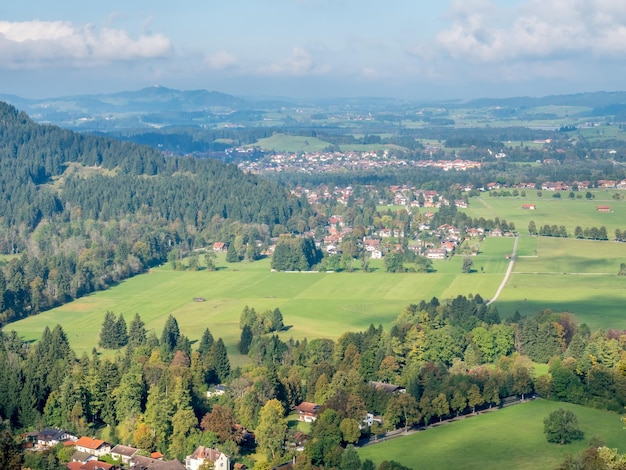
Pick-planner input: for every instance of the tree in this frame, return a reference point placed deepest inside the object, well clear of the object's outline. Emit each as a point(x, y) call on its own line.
point(231, 254)
point(221, 421)
point(136, 332)
point(272, 429)
point(170, 337)
point(350, 459)
point(350, 430)
point(245, 339)
point(561, 427)
point(219, 360)
point(10, 458)
point(107, 332)
point(393, 262)
point(467, 264)
point(532, 228)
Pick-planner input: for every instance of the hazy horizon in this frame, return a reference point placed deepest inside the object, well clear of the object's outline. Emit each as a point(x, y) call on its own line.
point(416, 50)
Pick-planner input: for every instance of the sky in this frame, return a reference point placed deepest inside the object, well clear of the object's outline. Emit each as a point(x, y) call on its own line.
point(412, 49)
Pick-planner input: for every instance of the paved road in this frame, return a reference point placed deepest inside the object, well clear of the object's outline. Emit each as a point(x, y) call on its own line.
point(509, 270)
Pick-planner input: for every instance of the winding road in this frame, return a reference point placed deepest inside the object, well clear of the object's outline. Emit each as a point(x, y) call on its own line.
point(509, 270)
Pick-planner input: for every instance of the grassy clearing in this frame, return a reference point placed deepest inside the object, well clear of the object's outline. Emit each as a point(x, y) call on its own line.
point(292, 143)
point(511, 438)
point(313, 304)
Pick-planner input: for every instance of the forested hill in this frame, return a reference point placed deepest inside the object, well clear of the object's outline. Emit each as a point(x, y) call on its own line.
point(85, 211)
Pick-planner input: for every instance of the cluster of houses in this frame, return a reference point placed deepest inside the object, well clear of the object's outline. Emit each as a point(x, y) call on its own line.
point(321, 162)
point(88, 452)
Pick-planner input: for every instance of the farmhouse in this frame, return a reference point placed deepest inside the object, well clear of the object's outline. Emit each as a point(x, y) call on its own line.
point(140, 462)
point(307, 411)
point(220, 247)
point(91, 465)
point(436, 253)
point(201, 454)
point(92, 446)
point(49, 437)
point(123, 453)
point(386, 387)
point(603, 208)
point(529, 207)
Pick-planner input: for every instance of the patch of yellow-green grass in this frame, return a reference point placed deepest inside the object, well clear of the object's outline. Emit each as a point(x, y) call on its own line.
point(292, 143)
point(511, 438)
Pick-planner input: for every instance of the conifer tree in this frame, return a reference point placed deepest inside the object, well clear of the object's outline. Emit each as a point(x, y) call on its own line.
point(205, 343)
point(136, 332)
point(121, 332)
point(170, 337)
point(245, 340)
point(219, 360)
point(107, 332)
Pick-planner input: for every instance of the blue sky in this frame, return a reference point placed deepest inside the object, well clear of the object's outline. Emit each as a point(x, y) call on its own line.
point(414, 49)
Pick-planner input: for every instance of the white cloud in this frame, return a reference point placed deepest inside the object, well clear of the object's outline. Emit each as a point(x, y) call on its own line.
point(299, 63)
point(221, 61)
point(35, 44)
point(537, 30)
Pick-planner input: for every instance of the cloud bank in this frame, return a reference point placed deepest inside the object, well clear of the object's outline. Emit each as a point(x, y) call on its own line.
point(38, 44)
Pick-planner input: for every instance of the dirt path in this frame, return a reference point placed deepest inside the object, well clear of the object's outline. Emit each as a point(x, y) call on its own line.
point(509, 270)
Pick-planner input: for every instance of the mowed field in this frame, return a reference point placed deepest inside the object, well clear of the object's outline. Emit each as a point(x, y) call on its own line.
point(511, 438)
point(578, 276)
point(313, 304)
point(554, 211)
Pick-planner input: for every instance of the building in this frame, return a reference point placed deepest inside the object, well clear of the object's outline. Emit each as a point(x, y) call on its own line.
point(220, 461)
point(307, 411)
point(92, 446)
point(529, 207)
point(123, 453)
point(603, 208)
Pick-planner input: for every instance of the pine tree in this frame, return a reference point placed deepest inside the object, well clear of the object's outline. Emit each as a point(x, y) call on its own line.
point(245, 340)
point(219, 360)
point(170, 337)
point(205, 343)
point(107, 332)
point(136, 332)
point(121, 332)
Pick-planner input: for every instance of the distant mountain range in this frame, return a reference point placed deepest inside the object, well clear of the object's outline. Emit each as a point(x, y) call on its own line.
point(158, 107)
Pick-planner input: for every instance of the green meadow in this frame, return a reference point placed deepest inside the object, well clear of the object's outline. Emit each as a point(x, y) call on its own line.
point(313, 304)
point(510, 438)
point(578, 276)
point(553, 211)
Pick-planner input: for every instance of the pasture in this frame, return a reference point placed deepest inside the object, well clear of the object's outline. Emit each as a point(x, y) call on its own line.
point(568, 275)
point(510, 438)
point(313, 304)
point(553, 211)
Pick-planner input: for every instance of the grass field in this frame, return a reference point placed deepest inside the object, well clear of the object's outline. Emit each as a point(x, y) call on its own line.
point(313, 304)
point(510, 439)
point(578, 276)
point(551, 211)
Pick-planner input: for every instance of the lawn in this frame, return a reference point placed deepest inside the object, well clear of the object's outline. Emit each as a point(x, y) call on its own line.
point(511, 438)
point(313, 304)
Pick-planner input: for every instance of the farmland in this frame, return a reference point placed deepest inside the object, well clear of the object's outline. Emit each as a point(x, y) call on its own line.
point(313, 304)
point(511, 438)
point(553, 211)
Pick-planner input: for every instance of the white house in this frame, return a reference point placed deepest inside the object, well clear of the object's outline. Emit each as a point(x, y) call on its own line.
point(220, 461)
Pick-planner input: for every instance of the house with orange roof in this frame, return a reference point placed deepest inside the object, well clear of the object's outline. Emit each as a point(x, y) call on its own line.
point(92, 446)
